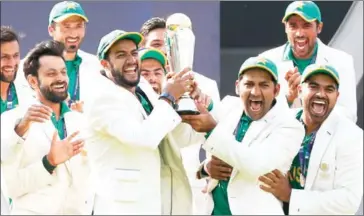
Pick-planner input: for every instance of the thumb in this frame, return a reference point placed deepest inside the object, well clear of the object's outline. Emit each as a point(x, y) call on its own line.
point(55, 136)
point(201, 107)
point(295, 70)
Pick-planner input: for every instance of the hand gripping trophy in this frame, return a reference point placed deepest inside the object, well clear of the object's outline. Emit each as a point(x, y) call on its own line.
point(180, 47)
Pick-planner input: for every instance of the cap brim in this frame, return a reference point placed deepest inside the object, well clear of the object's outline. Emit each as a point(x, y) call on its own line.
point(155, 54)
point(262, 67)
point(321, 71)
point(134, 36)
point(66, 16)
point(307, 19)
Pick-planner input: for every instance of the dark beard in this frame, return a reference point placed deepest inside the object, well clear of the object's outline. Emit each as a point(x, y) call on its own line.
point(8, 79)
point(48, 94)
point(121, 80)
point(72, 49)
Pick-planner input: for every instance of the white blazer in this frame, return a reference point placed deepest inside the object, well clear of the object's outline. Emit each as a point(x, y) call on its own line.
point(25, 96)
point(341, 61)
point(190, 154)
point(270, 143)
point(334, 183)
point(32, 189)
point(5, 208)
point(135, 158)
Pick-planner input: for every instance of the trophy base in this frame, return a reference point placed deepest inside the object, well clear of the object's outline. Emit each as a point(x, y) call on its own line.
point(186, 106)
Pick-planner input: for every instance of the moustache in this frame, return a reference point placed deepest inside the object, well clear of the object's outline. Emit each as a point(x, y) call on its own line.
point(59, 83)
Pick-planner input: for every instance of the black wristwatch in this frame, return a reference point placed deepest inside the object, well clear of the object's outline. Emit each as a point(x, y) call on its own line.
point(170, 98)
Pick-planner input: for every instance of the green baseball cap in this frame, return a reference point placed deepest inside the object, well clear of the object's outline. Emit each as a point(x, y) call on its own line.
point(260, 62)
point(108, 40)
point(308, 10)
point(66, 9)
point(154, 54)
point(314, 69)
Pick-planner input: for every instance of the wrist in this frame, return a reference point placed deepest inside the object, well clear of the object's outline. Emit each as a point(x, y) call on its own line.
point(169, 98)
point(51, 160)
point(20, 128)
point(47, 165)
point(290, 99)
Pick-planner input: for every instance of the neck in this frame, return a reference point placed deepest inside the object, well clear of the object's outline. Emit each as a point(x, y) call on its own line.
point(4, 89)
point(69, 56)
point(131, 89)
point(310, 124)
point(56, 107)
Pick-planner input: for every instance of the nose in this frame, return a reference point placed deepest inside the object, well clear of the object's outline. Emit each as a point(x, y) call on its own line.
point(321, 93)
point(256, 91)
point(299, 32)
point(152, 78)
point(11, 62)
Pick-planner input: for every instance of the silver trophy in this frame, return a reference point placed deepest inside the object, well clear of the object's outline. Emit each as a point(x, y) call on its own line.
point(180, 47)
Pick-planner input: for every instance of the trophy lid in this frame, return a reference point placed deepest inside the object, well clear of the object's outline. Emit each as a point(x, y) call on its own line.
point(178, 20)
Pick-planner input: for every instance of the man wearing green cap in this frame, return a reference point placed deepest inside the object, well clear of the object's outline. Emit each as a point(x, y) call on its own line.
point(303, 23)
point(136, 135)
point(252, 136)
point(326, 176)
point(67, 24)
point(153, 68)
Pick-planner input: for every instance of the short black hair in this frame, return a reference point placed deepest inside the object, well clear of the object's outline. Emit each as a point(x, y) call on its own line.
point(44, 48)
point(151, 24)
point(8, 35)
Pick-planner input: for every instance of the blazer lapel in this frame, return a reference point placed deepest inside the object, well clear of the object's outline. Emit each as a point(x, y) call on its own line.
point(322, 141)
point(230, 123)
point(321, 53)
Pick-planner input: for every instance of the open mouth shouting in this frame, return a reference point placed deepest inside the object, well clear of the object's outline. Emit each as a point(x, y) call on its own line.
point(318, 107)
point(255, 105)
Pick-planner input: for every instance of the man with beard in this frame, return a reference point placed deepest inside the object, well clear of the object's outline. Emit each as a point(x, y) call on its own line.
point(12, 92)
point(67, 24)
point(135, 135)
point(47, 175)
point(153, 31)
point(303, 24)
point(326, 177)
point(252, 135)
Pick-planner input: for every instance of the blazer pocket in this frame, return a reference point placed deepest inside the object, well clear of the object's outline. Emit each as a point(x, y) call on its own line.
point(127, 185)
point(326, 175)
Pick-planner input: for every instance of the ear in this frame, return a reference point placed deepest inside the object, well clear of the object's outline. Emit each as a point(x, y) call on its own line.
point(33, 82)
point(237, 87)
point(277, 89)
point(51, 30)
point(105, 64)
point(285, 27)
point(319, 27)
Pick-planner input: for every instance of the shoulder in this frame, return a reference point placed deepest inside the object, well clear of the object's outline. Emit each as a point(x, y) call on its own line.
point(348, 129)
point(87, 56)
point(229, 101)
point(274, 54)
point(334, 53)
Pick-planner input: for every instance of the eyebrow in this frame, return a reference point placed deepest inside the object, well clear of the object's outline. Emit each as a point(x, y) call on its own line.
point(124, 51)
point(327, 86)
point(55, 70)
